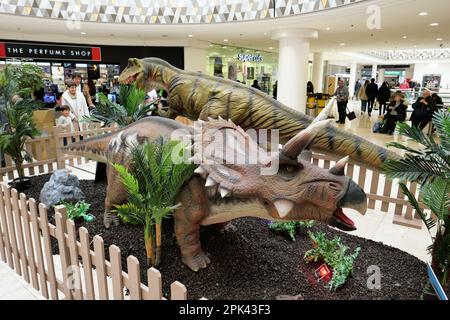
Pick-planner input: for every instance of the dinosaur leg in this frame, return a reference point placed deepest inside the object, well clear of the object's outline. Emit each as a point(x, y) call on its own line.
point(115, 194)
point(187, 224)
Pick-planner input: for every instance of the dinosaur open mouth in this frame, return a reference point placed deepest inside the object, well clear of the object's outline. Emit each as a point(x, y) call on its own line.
point(341, 221)
point(130, 79)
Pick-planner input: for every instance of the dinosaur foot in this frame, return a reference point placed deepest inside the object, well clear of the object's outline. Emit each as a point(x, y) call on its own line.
point(109, 219)
point(197, 262)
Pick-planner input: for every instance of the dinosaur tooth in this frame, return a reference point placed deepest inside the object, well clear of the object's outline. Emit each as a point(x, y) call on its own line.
point(283, 207)
point(224, 192)
point(210, 182)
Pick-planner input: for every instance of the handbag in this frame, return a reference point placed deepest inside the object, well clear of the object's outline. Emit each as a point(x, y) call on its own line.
point(376, 105)
point(351, 115)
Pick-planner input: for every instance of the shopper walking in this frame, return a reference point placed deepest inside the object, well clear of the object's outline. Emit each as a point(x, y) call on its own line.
point(384, 97)
point(358, 86)
point(256, 85)
point(342, 100)
point(363, 97)
point(275, 90)
point(423, 110)
point(371, 92)
point(76, 101)
point(309, 88)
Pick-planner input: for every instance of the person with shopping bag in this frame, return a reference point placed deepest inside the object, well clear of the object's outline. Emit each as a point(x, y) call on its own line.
point(342, 95)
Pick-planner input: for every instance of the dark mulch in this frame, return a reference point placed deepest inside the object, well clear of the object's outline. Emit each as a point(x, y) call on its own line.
point(251, 262)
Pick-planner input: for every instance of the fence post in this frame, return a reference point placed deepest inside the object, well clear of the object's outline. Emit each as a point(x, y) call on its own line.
point(60, 162)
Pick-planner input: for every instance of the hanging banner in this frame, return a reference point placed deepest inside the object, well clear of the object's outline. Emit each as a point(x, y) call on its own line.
point(49, 51)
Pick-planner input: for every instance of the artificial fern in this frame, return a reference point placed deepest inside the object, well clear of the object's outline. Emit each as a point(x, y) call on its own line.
point(429, 166)
point(130, 107)
point(152, 182)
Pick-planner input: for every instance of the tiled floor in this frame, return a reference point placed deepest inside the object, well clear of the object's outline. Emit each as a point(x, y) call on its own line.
point(13, 287)
point(374, 225)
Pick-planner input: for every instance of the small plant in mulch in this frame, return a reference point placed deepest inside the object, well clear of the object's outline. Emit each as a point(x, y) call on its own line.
point(290, 228)
point(79, 210)
point(334, 254)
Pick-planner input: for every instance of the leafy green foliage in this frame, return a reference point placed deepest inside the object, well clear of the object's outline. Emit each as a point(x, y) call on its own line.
point(291, 227)
point(129, 108)
point(429, 166)
point(152, 183)
point(19, 113)
point(334, 254)
point(26, 78)
point(78, 210)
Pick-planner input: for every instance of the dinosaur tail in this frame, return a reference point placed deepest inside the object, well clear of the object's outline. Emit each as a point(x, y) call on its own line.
point(94, 148)
point(337, 141)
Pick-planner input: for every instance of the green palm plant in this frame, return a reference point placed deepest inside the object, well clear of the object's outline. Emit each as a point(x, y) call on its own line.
point(152, 184)
point(19, 126)
point(430, 167)
point(129, 108)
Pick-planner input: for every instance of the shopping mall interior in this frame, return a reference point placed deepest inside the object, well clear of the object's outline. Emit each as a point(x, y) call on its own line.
point(355, 92)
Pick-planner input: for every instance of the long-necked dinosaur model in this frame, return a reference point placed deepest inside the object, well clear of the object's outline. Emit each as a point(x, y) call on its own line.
point(222, 190)
point(199, 96)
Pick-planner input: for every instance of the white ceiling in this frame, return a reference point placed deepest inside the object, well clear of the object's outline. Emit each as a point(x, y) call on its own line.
point(346, 25)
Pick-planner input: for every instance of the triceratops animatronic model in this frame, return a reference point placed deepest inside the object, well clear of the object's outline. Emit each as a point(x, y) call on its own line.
point(222, 190)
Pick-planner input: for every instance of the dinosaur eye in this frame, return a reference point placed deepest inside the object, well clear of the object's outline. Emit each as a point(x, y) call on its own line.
point(290, 169)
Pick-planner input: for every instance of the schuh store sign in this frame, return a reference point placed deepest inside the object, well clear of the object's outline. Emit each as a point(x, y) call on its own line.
point(48, 51)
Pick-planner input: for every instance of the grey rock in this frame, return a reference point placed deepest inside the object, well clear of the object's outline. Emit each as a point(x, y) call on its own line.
point(62, 186)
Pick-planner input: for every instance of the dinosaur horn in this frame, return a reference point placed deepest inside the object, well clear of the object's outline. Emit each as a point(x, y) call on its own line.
point(326, 111)
point(339, 168)
point(297, 144)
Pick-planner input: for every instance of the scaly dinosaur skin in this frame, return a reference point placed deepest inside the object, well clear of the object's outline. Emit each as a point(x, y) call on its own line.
point(199, 96)
point(222, 190)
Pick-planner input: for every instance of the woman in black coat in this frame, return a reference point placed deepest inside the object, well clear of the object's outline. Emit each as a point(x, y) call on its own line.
point(384, 95)
point(396, 111)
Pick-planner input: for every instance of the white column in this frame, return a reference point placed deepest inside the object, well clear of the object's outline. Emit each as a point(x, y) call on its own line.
point(352, 82)
point(293, 65)
point(195, 58)
point(381, 75)
point(374, 71)
point(318, 71)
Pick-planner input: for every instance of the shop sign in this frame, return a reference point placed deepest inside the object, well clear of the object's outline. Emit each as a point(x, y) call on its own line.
point(49, 51)
point(250, 57)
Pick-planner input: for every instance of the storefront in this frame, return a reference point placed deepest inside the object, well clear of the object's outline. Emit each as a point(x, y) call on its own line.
point(101, 64)
point(244, 65)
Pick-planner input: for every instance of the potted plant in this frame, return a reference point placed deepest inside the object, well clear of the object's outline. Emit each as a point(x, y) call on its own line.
point(152, 185)
point(429, 166)
point(19, 125)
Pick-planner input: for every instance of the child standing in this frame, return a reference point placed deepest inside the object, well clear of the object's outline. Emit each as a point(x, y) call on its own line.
point(65, 121)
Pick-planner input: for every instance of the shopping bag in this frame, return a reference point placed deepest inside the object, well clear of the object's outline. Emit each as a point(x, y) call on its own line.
point(351, 115)
point(376, 105)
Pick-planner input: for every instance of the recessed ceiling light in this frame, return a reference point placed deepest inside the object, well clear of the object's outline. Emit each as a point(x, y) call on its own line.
point(434, 24)
point(404, 37)
point(82, 32)
point(225, 40)
point(328, 28)
point(423, 13)
point(342, 44)
point(265, 33)
point(190, 36)
point(270, 48)
point(439, 39)
point(211, 45)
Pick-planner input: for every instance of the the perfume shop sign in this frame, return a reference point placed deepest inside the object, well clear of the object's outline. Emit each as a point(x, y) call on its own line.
point(250, 57)
point(49, 51)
